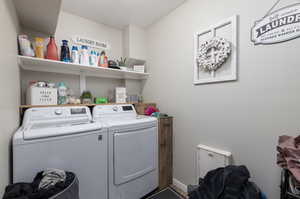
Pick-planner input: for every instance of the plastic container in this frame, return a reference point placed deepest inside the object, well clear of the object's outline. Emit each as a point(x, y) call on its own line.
point(25, 46)
point(75, 55)
point(52, 52)
point(84, 56)
point(39, 47)
point(65, 52)
point(93, 58)
point(62, 93)
point(103, 61)
point(121, 95)
point(41, 96)
point(98, 58)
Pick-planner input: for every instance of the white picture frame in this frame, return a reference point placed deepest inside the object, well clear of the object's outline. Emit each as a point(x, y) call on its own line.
point(229, 71)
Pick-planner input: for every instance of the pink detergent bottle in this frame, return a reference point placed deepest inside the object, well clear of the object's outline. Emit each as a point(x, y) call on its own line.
point(52, 52)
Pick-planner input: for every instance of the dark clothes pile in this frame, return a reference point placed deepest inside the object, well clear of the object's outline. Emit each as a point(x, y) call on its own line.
point(32, 190)
point(230, 182)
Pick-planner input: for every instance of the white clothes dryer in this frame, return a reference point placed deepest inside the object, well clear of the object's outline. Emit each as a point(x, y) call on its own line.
point(133, 151)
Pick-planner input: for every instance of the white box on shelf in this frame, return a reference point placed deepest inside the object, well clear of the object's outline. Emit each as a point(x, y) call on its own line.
point(121, 95)
point(41, 96)
point(139, 68)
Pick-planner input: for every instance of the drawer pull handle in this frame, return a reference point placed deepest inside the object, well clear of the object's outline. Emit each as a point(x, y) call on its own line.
point(99, 137)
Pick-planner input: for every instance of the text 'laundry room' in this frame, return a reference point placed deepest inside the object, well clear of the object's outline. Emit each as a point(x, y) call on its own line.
point(150, 99)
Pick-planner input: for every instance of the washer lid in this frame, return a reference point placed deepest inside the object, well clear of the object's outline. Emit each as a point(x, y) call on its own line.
point(40, 130)
point(57, 121)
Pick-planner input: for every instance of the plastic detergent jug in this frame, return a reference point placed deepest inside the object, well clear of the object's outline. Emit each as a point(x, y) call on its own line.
point(103, 61)
point(93, 58)
point(52, 52)
point(39, 47)
point(75, 55)
point(65, 52)
point(84, 56)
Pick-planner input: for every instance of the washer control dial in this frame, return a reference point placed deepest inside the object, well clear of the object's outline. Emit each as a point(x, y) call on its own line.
point(115, 108)
point(58, 112)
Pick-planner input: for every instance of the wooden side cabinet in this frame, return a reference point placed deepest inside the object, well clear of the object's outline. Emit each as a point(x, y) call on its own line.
point(165, 140)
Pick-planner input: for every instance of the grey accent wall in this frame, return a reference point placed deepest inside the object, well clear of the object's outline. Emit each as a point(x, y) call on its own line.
point(9, 86)
point(244, 117)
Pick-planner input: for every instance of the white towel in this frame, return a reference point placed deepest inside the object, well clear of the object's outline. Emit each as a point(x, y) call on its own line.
point(51, 177)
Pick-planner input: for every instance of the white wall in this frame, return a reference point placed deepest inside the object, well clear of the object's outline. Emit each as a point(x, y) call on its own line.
point(9, 86)
point(134, 42)
point(70, 25)
point(245, 117)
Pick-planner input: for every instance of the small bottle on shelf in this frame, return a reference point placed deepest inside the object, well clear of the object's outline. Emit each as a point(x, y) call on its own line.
point(103, 61)
point(84, 56)
point(75, 55)
point(62, 93)
point(65, 52)
point(39, 47)
point(52, 52)
point(93, 58)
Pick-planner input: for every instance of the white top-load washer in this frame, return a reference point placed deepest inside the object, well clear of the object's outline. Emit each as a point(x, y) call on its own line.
point(133, 151)
point(64, 138)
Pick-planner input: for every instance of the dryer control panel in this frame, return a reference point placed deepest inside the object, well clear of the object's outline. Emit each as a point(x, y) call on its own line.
point(104, 111)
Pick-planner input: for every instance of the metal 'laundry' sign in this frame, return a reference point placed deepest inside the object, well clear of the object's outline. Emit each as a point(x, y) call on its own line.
point(278, 26)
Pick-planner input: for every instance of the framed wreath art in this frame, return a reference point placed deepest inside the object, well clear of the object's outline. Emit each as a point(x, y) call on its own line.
point(216, 55)
point(213, 53)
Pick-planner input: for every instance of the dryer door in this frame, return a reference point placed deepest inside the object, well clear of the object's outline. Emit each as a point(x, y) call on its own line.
point(135, 154)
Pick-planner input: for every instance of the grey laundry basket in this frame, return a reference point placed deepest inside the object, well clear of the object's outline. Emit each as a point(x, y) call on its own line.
point(70, 192)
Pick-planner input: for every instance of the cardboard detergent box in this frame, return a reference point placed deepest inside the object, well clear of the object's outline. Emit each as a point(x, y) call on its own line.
point(139, 68)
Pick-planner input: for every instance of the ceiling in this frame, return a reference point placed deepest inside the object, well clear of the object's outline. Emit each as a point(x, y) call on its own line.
point(120, 13)
point(39, 15)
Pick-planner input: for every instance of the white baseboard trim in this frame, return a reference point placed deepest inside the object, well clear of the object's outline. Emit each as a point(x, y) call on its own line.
point(180, 185)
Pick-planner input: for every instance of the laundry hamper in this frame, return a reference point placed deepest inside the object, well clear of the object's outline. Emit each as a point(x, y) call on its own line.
point(71, 191)
point(67, 190)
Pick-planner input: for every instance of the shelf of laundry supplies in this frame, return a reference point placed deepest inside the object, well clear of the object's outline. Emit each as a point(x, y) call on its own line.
point(46, 65)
